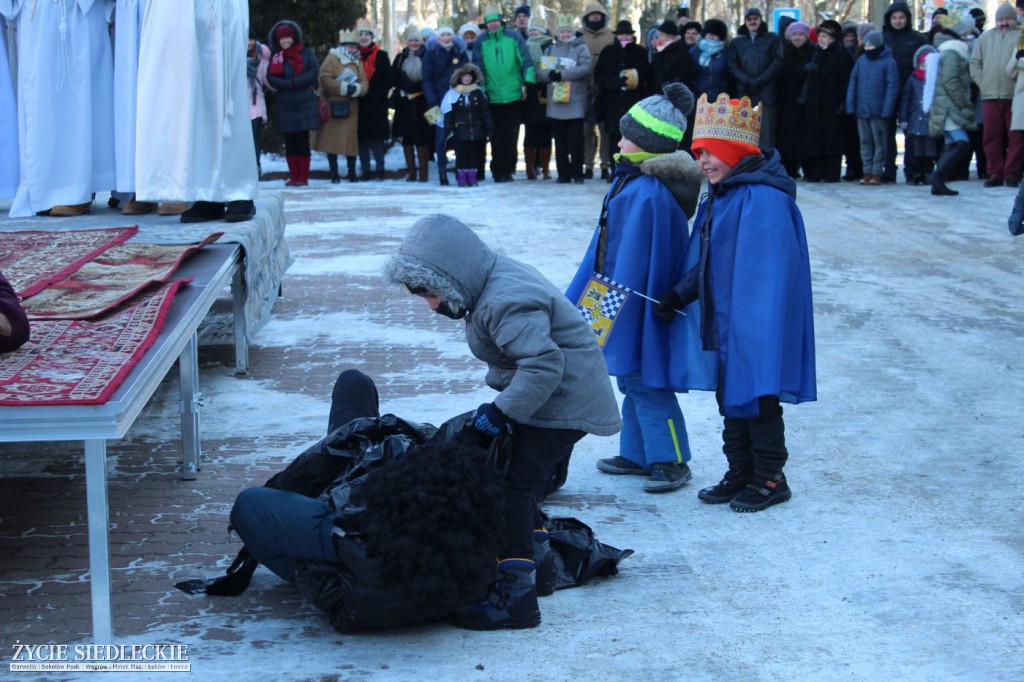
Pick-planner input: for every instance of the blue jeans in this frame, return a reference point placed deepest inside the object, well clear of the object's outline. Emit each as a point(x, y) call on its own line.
point(653, 429)
point(280, 527)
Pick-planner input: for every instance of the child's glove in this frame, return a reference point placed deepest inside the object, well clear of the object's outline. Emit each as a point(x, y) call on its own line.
point(665, 310)
point(555, 76)
point(491, 421)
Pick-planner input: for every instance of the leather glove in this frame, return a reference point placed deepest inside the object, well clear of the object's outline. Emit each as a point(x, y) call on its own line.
point(555, 76)
point(491, 421)
point(352, 89)
point(665, 310)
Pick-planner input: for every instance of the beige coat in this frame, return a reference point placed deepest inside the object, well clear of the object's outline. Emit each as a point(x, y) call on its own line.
point(1015, 69)
point(339, 135)
point(988, 63)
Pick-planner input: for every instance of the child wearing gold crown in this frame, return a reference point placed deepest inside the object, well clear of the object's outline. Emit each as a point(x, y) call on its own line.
point(747, 267)
point(639, 243)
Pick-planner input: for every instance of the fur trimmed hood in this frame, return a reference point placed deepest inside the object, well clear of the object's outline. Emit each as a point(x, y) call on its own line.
point(440, 255)
point(466, 68)
point(275, 46)
point(681, 174)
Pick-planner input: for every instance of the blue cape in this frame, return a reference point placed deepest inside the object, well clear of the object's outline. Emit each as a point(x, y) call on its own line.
point(760, 289)
point(647, 234)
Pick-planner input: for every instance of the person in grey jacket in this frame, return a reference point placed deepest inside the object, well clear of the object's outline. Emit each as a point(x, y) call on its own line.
point(545, 362)
point(573, 67)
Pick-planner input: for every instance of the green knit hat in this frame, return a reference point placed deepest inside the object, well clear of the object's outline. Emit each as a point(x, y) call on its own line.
point(657, 124)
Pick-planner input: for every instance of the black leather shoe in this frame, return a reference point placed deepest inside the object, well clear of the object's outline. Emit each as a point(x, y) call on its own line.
point(205, 211)
point(240, 211)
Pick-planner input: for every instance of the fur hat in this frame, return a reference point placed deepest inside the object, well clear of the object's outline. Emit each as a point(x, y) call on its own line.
point(691, 25)
point(832, 27)
point(798, 27)
point(468, 67)
point(716, 27)
point(657, 124)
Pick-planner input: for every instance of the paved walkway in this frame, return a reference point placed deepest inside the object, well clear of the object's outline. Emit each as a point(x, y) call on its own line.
point(900, 554)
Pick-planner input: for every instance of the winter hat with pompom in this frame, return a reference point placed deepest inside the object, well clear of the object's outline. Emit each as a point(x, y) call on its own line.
point(657, 124)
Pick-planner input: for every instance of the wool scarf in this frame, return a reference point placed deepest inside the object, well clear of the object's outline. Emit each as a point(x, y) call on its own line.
point(369, 57)
point(292, 55)
point(708, 49)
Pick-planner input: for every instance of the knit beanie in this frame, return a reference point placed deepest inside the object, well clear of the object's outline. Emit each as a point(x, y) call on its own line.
point(444, 28)
point(728, 128)
point(284, 31)
point(1006, 11)
point(752, 12)
point(523, 9)
point(468, 27)
point(874, 39)
point(865, 29)
point(798, 27)
point(657, 123)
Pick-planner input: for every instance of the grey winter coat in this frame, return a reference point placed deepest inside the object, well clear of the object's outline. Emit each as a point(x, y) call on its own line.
point(540, 353)
point(992, 51)
point(952, 89)
point(578, 76)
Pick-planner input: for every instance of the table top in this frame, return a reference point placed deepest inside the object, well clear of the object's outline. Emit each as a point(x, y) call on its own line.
point(211, 269)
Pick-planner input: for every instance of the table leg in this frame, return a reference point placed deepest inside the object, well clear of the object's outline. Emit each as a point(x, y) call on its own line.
point(188, 368)
point(239, 296)
point(99, 539)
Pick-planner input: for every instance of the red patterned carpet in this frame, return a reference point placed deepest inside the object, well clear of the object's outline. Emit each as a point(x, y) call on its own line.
point(78, 362)
point(33, 259)
point(109, 280)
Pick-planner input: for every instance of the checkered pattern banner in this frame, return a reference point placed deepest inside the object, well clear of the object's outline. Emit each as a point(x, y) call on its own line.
point(600, 304)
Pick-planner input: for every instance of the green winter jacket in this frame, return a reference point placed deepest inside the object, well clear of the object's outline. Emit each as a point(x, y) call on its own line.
point(952, 89)
point(505, 60)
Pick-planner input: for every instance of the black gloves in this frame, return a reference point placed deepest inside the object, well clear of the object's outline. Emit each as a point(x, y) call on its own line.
point(352, 89)
point(491, 421)
point(666, 309)
point(555, 76)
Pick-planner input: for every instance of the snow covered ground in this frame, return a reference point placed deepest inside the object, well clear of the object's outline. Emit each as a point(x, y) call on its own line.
point(900, 556)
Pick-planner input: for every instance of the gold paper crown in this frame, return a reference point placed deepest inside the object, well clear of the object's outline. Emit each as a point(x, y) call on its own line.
point(365, 25)
point(347, 36)
point(411, 31)
point(725, 119)
point(493, 10)
point(566, 21)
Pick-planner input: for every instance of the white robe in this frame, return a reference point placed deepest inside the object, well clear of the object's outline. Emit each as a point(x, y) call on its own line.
point(65, 102)
point(8, 123)
point(127, 27)
point(193, 135)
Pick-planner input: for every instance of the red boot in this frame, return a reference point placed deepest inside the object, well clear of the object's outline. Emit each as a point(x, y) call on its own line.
point(293, 171)
point(303, 167)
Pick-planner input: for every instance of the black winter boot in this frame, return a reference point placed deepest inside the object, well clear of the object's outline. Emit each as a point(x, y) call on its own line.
point(511, 602)
point(731, 485)
point(332, 164)
point(763, 491)
point(351, 162)
point(943, 169)
point(544, 558)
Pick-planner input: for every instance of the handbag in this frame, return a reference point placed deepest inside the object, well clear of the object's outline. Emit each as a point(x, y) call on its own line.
point(323, 108)
point(341, 109)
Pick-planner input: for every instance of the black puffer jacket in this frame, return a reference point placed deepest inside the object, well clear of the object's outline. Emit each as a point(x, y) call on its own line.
point(903, 43)
point(754, 64)
point(615, 98)
point(470, 117)
point(296, 108)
